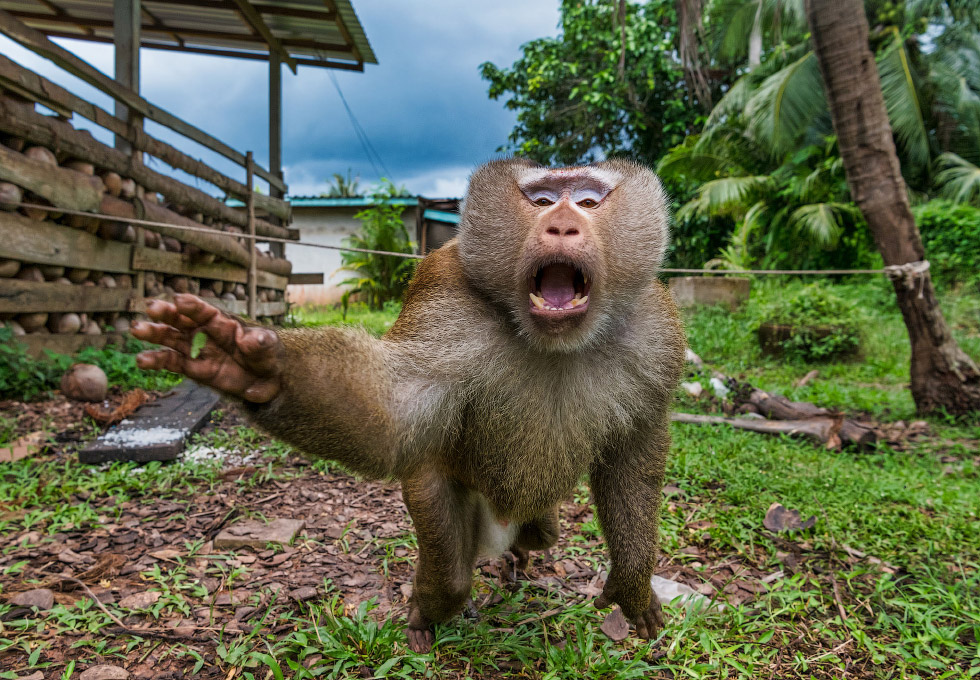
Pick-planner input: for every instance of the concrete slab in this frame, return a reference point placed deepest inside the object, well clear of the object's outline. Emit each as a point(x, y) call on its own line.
point(255, 534)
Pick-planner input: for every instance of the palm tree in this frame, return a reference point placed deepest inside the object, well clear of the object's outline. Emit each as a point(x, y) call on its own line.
point(942, 375)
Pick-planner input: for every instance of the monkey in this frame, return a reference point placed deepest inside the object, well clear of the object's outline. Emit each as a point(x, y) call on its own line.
point(536, 347)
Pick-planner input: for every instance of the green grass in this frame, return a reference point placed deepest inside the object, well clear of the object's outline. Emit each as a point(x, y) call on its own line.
point(911, 609)
point(358, 314)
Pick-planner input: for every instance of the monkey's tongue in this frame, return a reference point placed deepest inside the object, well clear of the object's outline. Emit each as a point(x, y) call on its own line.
point(558, 284)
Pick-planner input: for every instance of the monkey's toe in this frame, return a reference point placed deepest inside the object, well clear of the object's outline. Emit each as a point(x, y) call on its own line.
point(522, 557)
point(650, 622)
point(420, 640)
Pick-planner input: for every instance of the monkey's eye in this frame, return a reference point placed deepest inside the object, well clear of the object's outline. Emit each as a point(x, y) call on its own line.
point(588, 203)
point(543, 201)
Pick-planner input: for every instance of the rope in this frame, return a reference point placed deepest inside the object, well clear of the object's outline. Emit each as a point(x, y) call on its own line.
point(913, 273)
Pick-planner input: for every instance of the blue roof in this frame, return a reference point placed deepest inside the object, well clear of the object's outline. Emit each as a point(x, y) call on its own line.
point(441, 216)
point(359, 202)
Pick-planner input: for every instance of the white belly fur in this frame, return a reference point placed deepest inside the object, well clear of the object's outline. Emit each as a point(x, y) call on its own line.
point(495, 538)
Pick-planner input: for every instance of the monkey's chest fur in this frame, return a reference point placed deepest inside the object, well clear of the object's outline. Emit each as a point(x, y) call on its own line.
point(525, 444)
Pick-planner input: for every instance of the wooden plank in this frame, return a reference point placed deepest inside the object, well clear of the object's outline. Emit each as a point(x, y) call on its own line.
point(62, 187)
point(236, 307)
point(32, 86)
point(151, 259)
point(254, 19)
point(18, 297)
point(39, 43)
point(306, 279)
point(253, 284)
point(49, 243)
point(36, 344)
point(126, 22)
point(158, 430)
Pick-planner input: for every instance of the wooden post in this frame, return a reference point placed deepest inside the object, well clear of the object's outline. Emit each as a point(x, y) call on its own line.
point(253, 296)
point(275, 133)
point(126, 38)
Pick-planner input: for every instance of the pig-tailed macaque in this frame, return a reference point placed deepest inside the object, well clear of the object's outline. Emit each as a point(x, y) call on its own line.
point(535, 348)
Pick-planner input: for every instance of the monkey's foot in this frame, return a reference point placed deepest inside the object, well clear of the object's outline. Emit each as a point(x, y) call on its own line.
point(522, 557)
point(650, 622)
point(419, 631)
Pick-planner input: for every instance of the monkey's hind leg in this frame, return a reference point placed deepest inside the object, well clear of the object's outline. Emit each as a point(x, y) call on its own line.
point(444, 514)
point(539, 534)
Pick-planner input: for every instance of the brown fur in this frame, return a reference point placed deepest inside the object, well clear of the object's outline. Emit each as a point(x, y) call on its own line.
point(468, 397)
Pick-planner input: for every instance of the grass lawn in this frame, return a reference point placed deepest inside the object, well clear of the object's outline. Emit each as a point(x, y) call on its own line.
point(885, 585)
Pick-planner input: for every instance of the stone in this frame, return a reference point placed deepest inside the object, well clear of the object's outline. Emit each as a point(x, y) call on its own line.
point(42, 598)
point(254, 534)
point(690, 291)
point(615, 626)
point(105, 672)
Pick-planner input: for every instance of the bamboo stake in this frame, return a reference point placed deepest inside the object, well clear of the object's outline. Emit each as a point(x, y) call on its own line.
point(252, 256)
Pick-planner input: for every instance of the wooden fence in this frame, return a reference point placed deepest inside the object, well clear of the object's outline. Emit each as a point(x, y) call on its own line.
point(88, 232)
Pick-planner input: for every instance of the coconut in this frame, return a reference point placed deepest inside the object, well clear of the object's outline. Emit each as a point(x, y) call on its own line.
point(85, 382)
point(229, 297)
point(77, 275)
point(10, 196)
point(8, 268)
point(207, 293)
point(15, 327)
point(172, 244)
point(180, 284)
point(32, 321)
point(113, 183)
point(239, 291)
point(124, 281)
point(30, 273)
point(67, 323)
point(218, 287)
point(83, 167)
point(92, 329)
point(151, 239)
point(42, 155)
point(121, 325)
point(128, 188)
point(107, 281)
point(50, 272)
point(62, 279)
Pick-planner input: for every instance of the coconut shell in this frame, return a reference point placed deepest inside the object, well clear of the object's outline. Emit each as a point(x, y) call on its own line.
point(51, 272)
point(180, 284)
point(15, 327)
point(121, 325)
point(230, 297)
point(113, 183)
point(124, 281)
point(68, 323)
point(107, 282)
point(10, 196)
point(85, 382)
point(239, 291)
point(33, 321)
point(128, 188)
point(151, 239)
point(77, 275)
point(83, 167)
point(217, 286)
point(62, 279)
point(39, 153)
point(92, 328)
point(172, 244)
point(8, 268)
point(30, 273)
point(207, 294)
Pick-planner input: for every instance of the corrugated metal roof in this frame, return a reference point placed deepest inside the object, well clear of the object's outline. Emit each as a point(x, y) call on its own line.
point(357, 202)
point(441, 216)
point(313, 32)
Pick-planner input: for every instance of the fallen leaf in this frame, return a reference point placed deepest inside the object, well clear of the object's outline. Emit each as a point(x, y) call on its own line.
point(42, 598)
point(779, 519)
point(140, 600)
point(615, 626)
point(26, 446)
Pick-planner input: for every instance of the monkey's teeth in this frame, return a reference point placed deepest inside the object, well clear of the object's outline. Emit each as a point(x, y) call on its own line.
point(579, 301)
point(537, 301)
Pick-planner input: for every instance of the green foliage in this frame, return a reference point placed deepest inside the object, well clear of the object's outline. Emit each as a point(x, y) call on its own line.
point(379, 278)
point(376, 322)
point(25, 378)
point(573, 101)
point(343, 186)
point(951, 237)
point(824, 325)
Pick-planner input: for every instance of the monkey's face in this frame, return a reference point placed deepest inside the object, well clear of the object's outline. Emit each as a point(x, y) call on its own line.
point(565, 251)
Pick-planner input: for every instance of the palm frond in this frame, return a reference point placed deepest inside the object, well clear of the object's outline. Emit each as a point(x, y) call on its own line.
point(784, 106)
point(959, 180)
point(901, 93)
point(729, 195)
point(821, 222)
point(690, 161)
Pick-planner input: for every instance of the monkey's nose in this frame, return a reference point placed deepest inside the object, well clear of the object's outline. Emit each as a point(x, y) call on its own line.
point(563, 233)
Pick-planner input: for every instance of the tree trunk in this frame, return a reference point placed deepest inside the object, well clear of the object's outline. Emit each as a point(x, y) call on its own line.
point(942, 375)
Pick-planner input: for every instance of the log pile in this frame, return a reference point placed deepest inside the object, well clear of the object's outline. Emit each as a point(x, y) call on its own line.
point(69, 279)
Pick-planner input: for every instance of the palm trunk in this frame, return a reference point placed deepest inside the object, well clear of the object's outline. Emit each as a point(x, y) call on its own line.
point(943, 376)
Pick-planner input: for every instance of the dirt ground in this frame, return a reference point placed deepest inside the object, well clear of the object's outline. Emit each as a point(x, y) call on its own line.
point(357, 537)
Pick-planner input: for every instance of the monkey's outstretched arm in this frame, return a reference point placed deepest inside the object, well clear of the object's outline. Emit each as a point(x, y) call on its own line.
point(626, 484)
point(326, 391)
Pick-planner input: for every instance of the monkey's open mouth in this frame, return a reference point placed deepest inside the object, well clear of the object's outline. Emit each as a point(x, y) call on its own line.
point(559, 287)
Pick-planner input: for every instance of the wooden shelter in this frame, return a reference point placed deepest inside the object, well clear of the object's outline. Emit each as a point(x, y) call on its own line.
point(88, 231)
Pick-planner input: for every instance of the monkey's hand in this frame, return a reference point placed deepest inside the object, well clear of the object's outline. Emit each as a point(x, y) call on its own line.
point(640, 605)
point(242, 361)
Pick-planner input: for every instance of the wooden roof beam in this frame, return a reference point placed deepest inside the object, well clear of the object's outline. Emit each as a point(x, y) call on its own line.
point(254, 19)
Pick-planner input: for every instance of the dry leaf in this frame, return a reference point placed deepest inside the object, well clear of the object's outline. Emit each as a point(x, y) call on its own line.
point(26, 446)
point(779, 519)
point(131, 401)
point(615, 626)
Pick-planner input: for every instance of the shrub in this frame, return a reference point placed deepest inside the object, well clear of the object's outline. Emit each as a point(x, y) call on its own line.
point(821, 325)
point(951, 237)
point(25, 378)
point(379, 278)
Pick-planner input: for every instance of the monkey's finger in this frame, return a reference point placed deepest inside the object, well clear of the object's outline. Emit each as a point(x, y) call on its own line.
point(161, 359)
point(166, 312)
point(262, 391)
point(161, 334)
point(261, 350)
point(217, 325)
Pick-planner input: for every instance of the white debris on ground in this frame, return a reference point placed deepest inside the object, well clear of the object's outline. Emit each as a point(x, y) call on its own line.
point(667, 591)
point(719, 388)
point(693, 389)
point(143, 437)
point(201, 453)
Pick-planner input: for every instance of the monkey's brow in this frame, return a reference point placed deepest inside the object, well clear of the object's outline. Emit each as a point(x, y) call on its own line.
point(567, 178)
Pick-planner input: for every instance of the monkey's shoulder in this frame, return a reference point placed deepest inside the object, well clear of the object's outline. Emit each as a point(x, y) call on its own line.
point(438, 288)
